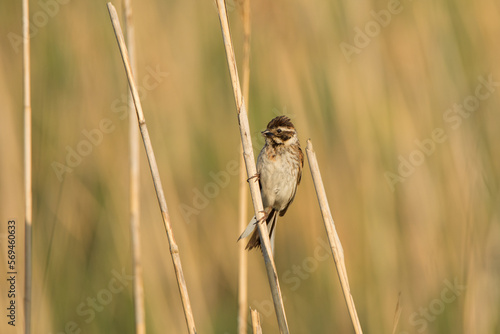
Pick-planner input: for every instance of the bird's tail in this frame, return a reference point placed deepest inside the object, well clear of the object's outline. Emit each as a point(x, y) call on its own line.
point(252, 227)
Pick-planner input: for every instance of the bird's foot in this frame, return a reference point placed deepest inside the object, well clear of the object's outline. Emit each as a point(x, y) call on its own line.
point(264, 218)
point(256, 177)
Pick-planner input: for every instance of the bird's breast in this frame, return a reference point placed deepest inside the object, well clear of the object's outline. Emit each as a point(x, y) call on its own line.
point(278, 178)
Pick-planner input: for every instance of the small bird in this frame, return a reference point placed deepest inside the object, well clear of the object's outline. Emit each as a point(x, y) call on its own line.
point(279, 170)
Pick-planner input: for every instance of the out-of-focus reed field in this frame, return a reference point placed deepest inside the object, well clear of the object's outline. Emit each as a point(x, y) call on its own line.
point(404, 116)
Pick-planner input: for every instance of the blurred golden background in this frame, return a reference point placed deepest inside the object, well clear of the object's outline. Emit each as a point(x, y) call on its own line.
point(400, 99)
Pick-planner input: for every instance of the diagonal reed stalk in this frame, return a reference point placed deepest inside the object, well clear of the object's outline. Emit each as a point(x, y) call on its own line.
point(333, 238)
point(135, 231)
point(174, 249)
point(28, 208)
point(243, 209)
point(251, 170)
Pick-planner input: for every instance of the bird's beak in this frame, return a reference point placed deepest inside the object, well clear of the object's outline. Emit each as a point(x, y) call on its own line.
point(267, 133)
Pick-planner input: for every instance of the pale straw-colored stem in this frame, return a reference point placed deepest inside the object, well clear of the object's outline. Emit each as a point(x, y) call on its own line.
point(257, 329)
point(251, 170)
point(397, 315)
point(174, 250)
point(28, 208)
point(333, 238)
point(247, 30)
point(243, 254)
point(134, 181)
point(243, 208)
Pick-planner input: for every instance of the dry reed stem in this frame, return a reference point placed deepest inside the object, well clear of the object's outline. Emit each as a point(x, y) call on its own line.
point(251, 170)
point(243, 254)
point(397, 314)
point(257, 329)
point(247, 30)
point(333, 238)
point(174, 250)
point(135, 231)
point(243, 209)
point(28, 209)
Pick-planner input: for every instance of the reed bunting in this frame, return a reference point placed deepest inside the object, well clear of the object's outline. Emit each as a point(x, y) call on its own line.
point(279, 170)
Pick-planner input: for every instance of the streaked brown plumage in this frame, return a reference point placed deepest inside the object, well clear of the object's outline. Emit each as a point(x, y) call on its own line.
point(279, 171)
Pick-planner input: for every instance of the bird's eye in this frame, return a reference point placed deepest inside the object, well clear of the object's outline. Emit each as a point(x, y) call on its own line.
point(278, 131)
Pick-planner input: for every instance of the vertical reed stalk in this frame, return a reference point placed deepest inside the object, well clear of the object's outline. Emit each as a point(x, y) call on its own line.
point(28, 208)
point(251, 170)
point(135, 223)
point(397, 314)
point(174, 249)
point(257, 329)
point(243, 209)
point(243, 254)
point(333, 238)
